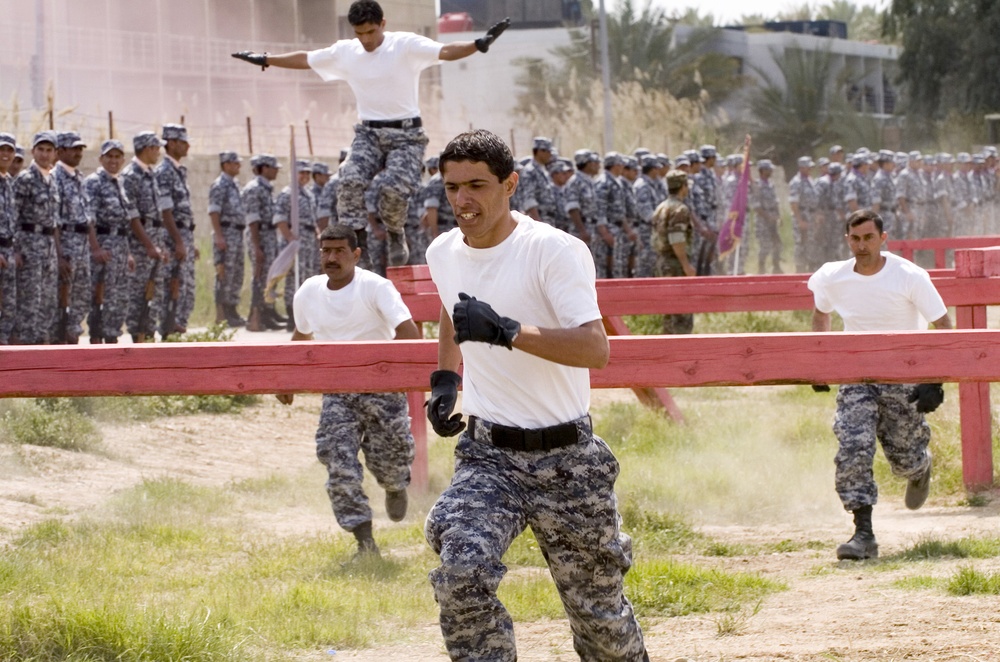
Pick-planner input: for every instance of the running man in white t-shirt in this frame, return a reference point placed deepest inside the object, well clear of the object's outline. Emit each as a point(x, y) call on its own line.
point(349, 303)
point(875, 291)
point(383, 70)
point(519, 310)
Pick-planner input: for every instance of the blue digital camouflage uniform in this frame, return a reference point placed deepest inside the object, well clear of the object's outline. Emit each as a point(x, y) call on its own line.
point(567, 497)
point(911, 188)
point(8, 275)
point(258, 205)
point(74, 237)
point(416, 235)
point(36, 198)
point(960, 202)
point(704, 190)
point(387, 160)
point(224, 199)
point(378, 425)
point(579, 194)
point(857, 188)
point(113, 212)
point(139, 182)
point(647, 199)
point(941, 194)
point(308, 243)
point(767, 214)
point(672, 224)
point(610, 196)
point(434, 197)
point(171, 179)
point(806, 231)
point(538, 191)
point(884, 193)
point(326, 201)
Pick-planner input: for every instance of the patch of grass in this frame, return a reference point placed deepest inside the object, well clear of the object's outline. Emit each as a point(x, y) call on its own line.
point(754, 322)
point(50, 422)
point(969, 581)
point(734, 623)
point(918, 583)
point(666, 588)
point(964, 548)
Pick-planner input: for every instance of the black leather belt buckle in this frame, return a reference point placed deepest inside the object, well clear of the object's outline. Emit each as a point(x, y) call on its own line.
point(79, 228)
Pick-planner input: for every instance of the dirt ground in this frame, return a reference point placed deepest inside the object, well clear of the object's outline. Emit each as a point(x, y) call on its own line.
point(831, 610)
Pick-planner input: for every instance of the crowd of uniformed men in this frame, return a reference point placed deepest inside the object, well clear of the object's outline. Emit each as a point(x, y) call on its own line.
point(116, 249)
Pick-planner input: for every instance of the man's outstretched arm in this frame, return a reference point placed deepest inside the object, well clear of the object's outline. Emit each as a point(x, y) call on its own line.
point(460, 49)
point(294, 60)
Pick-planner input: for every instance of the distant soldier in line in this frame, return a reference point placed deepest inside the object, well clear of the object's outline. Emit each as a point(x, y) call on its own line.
point(438, 216)
point(148, 242)
point(416, 233)
point(580, 198)
point(326, 210)
point(857, 188)
point(225, 209)
point(911, 196)
point(308, 254)
point(539, 198)
point(8, 233)
point(672, 233)
point(18, 163)
point(709, 184)
point(77, 240)
point(884, 191)
point(805, 222)
point(320, 178)
point(627, 249)
point(258, 204)
point(830, 197)
point(113, 214)
point(943, 219)
point(647, 199)
point(178, 218)
point(961, 197)
point(768, 216)
point(561, 170)
point(383, 69)
point(36, 198)
point(611, 213)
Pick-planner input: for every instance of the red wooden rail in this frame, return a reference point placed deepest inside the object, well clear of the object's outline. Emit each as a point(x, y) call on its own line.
point(941, 246)
point(968, 357)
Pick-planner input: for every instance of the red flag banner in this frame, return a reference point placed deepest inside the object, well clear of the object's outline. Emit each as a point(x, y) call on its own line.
point(732, 229)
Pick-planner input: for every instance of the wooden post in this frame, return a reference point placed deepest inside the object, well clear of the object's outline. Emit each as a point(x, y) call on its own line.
point(309, 139)
point(418, 426)
point(111, 126)
point(974, 398)
point(249, 135)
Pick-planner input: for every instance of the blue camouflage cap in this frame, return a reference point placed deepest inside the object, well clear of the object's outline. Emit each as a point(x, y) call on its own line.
point(649, 161)
point(682, 161)
point(175, 132)
point(707, 151)
point(541, 142)
point(229, 157)
point(631, 163)
point(584, 156)
point(18, 152)
point(303, 166)
point(44, 137)
point(265, 161)
point(612, 159)
point(69, 139)
point(765, 164)
point(432, 162)
point(8, 139)
point(146, 139)
point(320, 168)
point(836, 168)
point(109, 145)
point(560, 165)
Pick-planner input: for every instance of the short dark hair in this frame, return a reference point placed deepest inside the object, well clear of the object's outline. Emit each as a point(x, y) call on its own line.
point(364, 11)
point(337, 231)
point(863, 216)
point(480, 146)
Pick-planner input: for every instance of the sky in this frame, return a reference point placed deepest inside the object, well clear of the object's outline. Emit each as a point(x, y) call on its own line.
point(729, 11)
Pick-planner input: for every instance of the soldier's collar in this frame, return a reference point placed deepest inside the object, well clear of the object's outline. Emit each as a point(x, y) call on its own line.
point(70, 169)
point(43, 171)
point(177, 164)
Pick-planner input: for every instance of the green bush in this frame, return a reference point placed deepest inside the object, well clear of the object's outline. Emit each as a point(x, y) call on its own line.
point(52, 422)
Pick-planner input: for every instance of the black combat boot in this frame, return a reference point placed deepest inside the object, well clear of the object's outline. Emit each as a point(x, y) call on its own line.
point(366, 542)
point(233, 318)
point(862, 544)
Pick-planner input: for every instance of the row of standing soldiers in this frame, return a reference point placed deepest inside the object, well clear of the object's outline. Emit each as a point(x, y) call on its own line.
point(917, 195)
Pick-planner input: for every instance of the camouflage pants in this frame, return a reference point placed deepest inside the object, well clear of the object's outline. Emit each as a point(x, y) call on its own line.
point(802, 238)
point(602, 252)
point(8, 296)
point(866, 412)
point(37, 283)
point(416, 239)
point(645, 262)
point(269, 247)
point(567, 497)
point(230, 286)
point(388, 159)
point(308, 264)
point(378, 252)
point(768, 245)
point(76, 247)
point(890, 227)
point(143, 275)
point(677, 324)
point(625, 251)
point(114, 275)
point(185, 300)
point(378, 425)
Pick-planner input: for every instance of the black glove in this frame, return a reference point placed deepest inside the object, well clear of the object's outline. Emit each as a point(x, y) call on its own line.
point(821, 388)
point(444, 397)
point(260, 59)
point(477, 321)
point(483, 43)
point(927, 396)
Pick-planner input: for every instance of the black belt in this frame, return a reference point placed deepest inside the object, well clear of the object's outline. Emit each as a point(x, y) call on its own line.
point(153, 224)
point(307, 227)
point(230, 224)
point(408, 123)
point(117, 232)
point(79, 228)
point(181, 226)
point(6, 242)
point(35, 228)
point(522, 439)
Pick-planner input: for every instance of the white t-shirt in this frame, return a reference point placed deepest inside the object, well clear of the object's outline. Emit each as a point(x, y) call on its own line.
point(900, 297)
point(538, 276)
point(385, 81)
point(368, 308)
